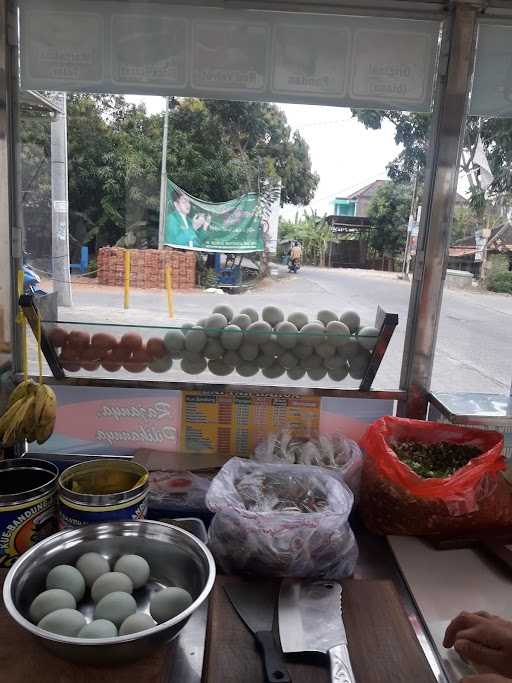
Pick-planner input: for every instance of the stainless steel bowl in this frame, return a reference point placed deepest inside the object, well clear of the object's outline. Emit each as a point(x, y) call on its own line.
point(175, 556)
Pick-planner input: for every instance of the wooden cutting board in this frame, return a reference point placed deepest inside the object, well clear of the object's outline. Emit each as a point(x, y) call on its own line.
point(382, 645)
point(23, 659)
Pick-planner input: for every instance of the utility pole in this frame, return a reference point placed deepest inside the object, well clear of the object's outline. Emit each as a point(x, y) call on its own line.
point(163, 179)
point(60, 208)
point(410, 227)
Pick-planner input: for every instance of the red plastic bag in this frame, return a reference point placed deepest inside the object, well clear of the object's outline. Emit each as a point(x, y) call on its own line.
point(397, 500)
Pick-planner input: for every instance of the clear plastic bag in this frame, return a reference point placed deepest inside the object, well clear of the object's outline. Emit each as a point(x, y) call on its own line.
point(281, 520)
point(182, 491)
point(340, 456)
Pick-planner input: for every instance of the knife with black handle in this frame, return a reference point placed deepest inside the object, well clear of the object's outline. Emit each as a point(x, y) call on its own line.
point(254, 603)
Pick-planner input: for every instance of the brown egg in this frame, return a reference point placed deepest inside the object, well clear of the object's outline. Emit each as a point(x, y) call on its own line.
point(90, 365)
point(78, 339)
point(103, 341)
point(70, 366)
point(58, 337)
point(90, 354)
point(69, 353)
point(131, 341)
point(140, 356)
point(120, 354)
point(156, 348)
point(131, 366)
point(109, 364)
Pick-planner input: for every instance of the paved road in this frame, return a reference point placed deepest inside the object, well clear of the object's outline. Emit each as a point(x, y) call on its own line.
point(474, 351)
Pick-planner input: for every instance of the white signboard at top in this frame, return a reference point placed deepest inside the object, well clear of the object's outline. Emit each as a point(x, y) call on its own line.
point(492, 85)
point(165, 49)
point(390, 65)
point(310, 60)
point(229, 56)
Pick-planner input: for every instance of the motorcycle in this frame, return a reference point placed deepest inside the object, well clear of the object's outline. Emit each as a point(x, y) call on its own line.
point(293, 265)
point(31, 280)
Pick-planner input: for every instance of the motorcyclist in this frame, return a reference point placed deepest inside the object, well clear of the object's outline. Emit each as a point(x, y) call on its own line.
point(295, 256)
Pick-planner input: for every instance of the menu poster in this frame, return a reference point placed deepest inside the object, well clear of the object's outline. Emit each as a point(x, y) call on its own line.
point(234, 423)
point(149, 49)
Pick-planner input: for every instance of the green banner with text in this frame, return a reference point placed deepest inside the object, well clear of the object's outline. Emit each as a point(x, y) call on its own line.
point(232, 227)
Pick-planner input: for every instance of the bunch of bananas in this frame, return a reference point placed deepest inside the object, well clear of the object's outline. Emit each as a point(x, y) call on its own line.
point(30, 414)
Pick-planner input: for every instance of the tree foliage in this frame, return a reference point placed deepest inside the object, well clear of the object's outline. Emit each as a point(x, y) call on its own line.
point(388, 213)
point(217, 150)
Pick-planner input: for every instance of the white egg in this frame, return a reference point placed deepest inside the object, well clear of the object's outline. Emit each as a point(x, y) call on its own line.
point(248, 351)
point(110, 583)
point(116, 607)
point(312, 362)
point(231, 337)
point(272, 348)
point(336, 362)
point(298, 319)
point(174, 340)
point(258, 333)
point(64, 622)
point(367, 337)
point(338, 374)
point(215, 324)
point(337, 333)
point(194, 367)
point(351, 320)
point(242, 321)
point(50, 601)
point(288, 360)
point(272, 315)
point(316, 374)
point(168, 603)
point(251, 312)
point(219, 367)
point(99, 628)
point(67, 578)
point(296, 373)
point(160, 364)
point(91, 566)
point(135, 623)
point(312, 334)
point(325, 350)
point(286, 335)
point(224, 310)
point(326, 316)
point(135, 567)
point(358, 365)
point(264, 361)
point(302, 351)
point(196, 339)
point(186, 327)
point(213, 349)
point(247, 368)
point(231, 358)
point(275, 370)
point(351, 349)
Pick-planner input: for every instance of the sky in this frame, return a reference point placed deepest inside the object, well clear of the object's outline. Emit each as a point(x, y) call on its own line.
point(343, 152)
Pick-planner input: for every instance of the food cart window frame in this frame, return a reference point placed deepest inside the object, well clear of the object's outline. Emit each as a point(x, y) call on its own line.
point(452, 94)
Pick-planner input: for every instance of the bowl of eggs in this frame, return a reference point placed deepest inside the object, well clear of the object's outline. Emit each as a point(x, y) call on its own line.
point(109, 593)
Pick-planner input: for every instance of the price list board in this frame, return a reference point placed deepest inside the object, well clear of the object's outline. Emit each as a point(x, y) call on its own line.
point(234, 423)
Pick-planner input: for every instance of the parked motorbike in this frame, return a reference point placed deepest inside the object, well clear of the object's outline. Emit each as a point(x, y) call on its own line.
point(31, 280)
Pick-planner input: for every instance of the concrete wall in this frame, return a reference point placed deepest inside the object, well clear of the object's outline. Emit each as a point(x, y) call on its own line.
point(459, 279)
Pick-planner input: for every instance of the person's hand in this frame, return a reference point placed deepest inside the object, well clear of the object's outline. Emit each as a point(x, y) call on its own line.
point(483, 640)
point(486, 678)
point(198, 221)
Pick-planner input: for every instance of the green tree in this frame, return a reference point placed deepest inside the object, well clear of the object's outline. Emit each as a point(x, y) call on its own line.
point(314, 234)
point(388, 213)
point(216, 151)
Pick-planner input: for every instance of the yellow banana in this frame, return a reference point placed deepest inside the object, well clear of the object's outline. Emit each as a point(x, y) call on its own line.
point(22, 390)
point(25, 419)
point(14, 429)
point(44, 395)
point(9, 415)
point(44, 431)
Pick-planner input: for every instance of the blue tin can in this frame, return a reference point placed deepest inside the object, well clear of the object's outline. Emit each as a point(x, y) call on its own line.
point(103, 490)
point(28, 505)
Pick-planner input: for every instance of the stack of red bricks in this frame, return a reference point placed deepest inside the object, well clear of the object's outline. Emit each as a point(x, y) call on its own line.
point(147, 267)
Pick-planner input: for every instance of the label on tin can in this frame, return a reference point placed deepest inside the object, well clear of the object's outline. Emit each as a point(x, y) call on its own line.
point(78, 515)
point(24, 525)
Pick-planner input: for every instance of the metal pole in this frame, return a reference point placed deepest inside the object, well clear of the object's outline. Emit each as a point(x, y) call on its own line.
point(10, 238)
point(163, 179)
point(60, 208)
point(412, 220)
point(455, 73)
